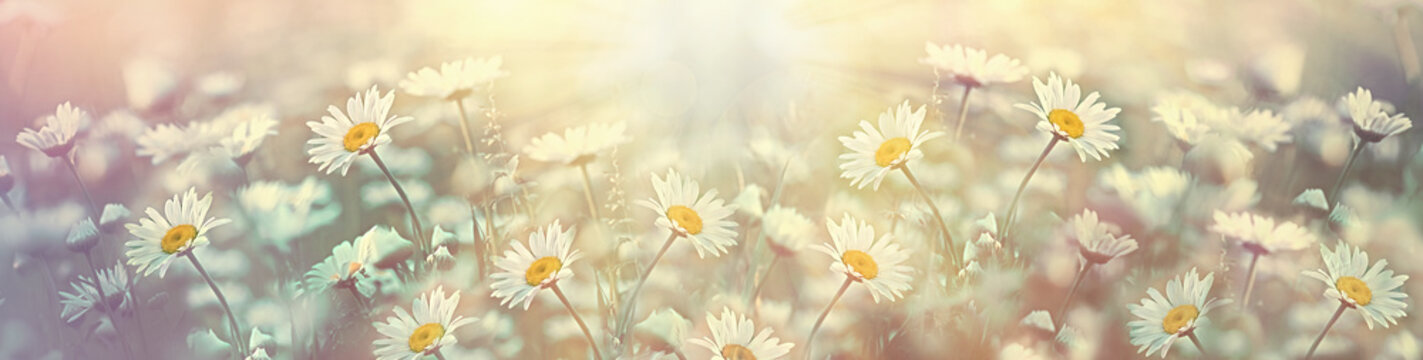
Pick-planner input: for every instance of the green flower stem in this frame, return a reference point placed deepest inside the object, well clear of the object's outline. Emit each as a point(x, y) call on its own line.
point(231, 319)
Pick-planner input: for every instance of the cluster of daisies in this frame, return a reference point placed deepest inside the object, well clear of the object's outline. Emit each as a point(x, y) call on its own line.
point(390, 259)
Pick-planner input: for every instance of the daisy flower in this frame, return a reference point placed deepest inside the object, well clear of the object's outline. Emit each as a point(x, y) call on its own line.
point(874, 152)
point(1371, 122)
point(1098, 244)
point(734, 337)
point(365, 125)
point(454, 80)
point(1083, 124)
point(528, 270)
point(787, 230)
point(56, 137)
point(348, 260)
point(688, 213)
point(876, 263)
point(429, 325)
point(1163, 319)
point(85, 297)
point(1373, 290)
point(341, 138)
point(578, 145)
point(1261, 234)
point(972, 67)
point(181, 227)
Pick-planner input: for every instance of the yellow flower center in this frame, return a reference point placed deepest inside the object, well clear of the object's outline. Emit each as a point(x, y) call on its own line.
point(686, 218)
point(178, 237)
point(352, 268)
point(1355, 289)
point(1178, 318)
point(359, 135)
point(891, 150)
point(1067, 122)
point(861, 262)
point(737, 352)
point(541, 269)
point(424, 336)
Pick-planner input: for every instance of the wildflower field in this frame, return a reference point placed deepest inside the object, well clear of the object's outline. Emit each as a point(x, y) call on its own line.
point(642, 179)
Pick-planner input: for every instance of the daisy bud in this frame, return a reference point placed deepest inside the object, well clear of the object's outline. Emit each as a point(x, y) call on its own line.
point(442, 259)
point(113, 217)
point(663, 330)
point(260, 340)
point(82, 237)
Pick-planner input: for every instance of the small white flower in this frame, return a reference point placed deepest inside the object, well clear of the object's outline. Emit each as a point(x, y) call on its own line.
point(182, 226)
point(348, 260)
point(874, 152)
point(1260, 234)
point(365, 125)
point(85, 297)
point(663, 330)
point(973, 67)
point(684, 210)
point(787, 229)
point(879, 264)
point(56, 137)
point(1373, 290)
point(1098, 244)
point(1371, 122)
point(528, 270)
point(1163, 319)
point(578, 145)
point(455, 80)
point(1080, 123)
point(1263, 128)
point(430, 325)
point(734, 337)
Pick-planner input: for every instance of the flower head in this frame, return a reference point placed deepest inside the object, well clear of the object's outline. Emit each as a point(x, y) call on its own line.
point(973, 67)
point(578, 145)
point(734, 337)
point(1371, 122)
point(787, 229)
point(1080, 123)
point(340, 137)
point(877, 263)
point(85, 297)
point(1260, 234)
point(874, 152)
point(56, 137)
point(528, 270)
point(455, 80)
point(1099, 245)
point(700, 218)
point(1373, 290)
point(181, 227)
point(346, 264)
point(1163, 319)
point(430, 325)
